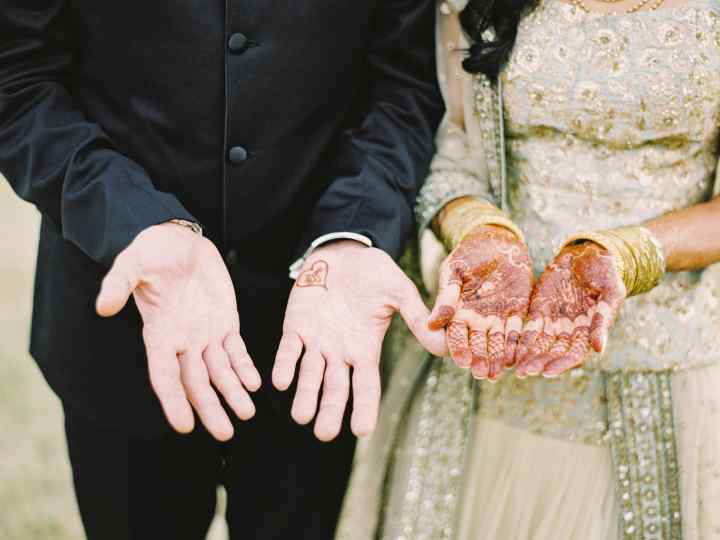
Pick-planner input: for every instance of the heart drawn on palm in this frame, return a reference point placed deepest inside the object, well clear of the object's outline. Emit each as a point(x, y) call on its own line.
point(316, 276)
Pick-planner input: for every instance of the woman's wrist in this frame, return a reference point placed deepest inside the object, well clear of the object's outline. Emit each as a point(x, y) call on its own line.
point(638, 255)
point(465, 215)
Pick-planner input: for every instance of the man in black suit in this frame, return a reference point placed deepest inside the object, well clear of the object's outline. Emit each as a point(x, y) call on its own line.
point(184, 154)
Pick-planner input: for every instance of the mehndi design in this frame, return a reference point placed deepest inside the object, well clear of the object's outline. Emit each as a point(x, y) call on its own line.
point(485, 291)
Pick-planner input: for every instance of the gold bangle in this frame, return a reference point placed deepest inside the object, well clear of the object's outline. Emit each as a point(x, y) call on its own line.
point(638, 255)
point(468, 216)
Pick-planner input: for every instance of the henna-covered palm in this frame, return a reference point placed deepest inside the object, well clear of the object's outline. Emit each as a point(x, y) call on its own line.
point(572, 310)
point(485, 286)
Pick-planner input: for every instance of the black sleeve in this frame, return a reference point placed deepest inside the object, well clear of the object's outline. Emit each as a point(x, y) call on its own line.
point(51, 154)
point(383, 162)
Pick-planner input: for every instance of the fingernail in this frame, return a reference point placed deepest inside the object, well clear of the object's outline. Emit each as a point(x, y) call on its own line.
point(480, 373)
point(551, 374)
point(464, 363)
point(441, 317)
point(534, 368)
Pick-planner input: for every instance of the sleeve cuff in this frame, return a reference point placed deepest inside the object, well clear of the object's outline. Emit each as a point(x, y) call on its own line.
point(324, 239)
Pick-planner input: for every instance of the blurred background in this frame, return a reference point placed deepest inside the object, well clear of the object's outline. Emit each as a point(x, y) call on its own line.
point(36, 499)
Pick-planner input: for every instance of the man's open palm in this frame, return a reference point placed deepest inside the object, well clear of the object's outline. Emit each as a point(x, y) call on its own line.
point(191, 326)
point(337, 316)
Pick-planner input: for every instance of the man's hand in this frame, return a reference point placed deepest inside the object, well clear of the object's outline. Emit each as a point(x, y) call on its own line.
point(339, 311)
point(485, 286)
point(573, 307)
point(191, 326)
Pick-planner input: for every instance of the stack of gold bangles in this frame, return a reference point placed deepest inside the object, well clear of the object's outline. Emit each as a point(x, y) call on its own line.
point(468, 216)
point(637, 253)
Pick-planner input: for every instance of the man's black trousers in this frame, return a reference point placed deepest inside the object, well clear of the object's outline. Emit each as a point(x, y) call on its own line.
point(281, 482)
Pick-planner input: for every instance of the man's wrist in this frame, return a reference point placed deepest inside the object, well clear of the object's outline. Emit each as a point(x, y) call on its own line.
point(297, 266)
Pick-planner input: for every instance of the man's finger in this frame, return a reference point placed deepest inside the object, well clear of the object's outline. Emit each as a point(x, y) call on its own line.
point(415, 314)
point(447, 300)
point(289, 351)
point(226, 380)
point(366, 398)
point(336, 391)
point(165, 379)
point(119, 283)
point(205, 401)
point(241, 362)
point(312, 369)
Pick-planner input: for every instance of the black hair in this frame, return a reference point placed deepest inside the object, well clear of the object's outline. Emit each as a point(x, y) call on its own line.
point(490, 50)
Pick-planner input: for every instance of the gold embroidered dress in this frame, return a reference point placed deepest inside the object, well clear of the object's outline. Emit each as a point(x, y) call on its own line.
point(597, 121)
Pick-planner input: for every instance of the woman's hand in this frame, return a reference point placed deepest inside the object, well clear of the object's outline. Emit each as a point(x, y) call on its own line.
point(573, 308)
point(485, 286)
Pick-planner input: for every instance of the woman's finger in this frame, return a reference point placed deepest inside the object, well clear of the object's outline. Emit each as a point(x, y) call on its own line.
point(532, 329)
point(478, 340)
point(446, 303)
point(513, 327)
point(226, 380)
point(605, 314)
point(563, 339)
point(312, 369)
point(496, 348)
point(537, 354)
point(457, 341)
point(575, 355)
point(205, 401)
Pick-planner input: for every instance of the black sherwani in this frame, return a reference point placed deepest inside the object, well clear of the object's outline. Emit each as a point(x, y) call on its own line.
point(270, 123)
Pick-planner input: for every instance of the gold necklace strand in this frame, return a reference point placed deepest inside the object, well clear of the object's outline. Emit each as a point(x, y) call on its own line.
point(654, 6)
point(580, 4)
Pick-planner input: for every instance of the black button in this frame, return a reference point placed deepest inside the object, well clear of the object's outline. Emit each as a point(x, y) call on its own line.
point(238, 43)
point(231, 258)
point(238, 154)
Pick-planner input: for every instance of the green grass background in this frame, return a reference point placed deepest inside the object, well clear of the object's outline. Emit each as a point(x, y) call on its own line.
point(36, 499)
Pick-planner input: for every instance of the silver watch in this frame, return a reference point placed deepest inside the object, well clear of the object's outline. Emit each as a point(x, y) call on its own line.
point(194, 227)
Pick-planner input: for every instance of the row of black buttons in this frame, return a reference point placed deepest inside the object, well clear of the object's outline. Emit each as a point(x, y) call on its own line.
point(238, 44)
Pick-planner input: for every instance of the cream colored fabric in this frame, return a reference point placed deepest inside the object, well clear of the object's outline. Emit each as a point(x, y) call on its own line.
point(696, 395)
point(523, 486)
